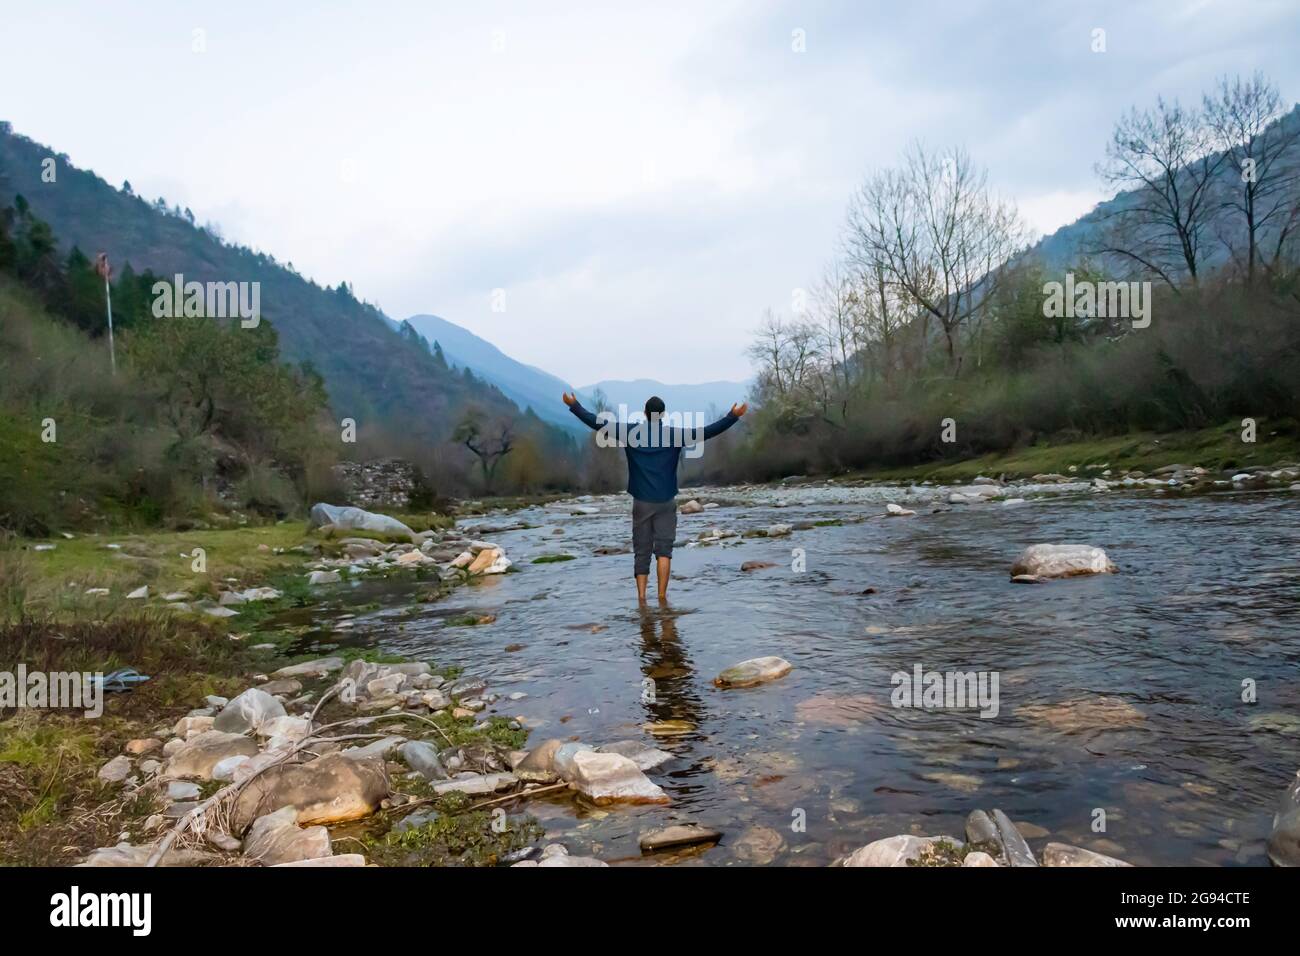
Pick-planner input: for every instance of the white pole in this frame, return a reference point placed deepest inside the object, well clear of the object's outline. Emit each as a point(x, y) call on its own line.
point(108, 299)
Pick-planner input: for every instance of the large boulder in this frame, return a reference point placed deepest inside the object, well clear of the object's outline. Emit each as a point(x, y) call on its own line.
point(276, 838)
point(196, 758)
point(1061, 561)
point(357, 519)
point(248, 712)
point(329, 789)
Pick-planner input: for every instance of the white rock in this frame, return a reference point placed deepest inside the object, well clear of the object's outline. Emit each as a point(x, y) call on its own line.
point(1062, 854)
point(757, 670)
point(379, 748)
point(186, 727)
point(610, 778)
point(285, 727)
point(248, 712)
point(338, 859)
point(894, 851)
point(357, 519)
point(644, 756)
point(478, 784)
point(1062, 560)
point(182, 790)
point(315, 668)
point(116, 770)
point(225, 769)
point(276, 838)
point(139, 593)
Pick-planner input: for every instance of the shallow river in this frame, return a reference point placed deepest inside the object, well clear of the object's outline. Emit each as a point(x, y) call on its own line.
point(1120, 696)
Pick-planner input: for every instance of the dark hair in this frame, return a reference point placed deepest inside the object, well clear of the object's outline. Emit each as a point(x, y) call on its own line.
point(654, 405)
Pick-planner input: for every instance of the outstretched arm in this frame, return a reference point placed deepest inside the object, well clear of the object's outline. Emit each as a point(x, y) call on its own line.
point(726, 421)
point(586, 417)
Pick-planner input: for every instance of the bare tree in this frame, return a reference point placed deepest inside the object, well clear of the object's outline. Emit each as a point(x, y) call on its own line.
point(1165, 158)
point(1264, 185)
point(791, 362)
point(938, 233)
point(489, 443)
point(838, 304)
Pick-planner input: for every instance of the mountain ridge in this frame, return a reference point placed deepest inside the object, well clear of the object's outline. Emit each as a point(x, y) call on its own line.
point(374, 373)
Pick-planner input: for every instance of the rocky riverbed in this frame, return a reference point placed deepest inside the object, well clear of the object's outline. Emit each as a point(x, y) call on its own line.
point(1146, 713)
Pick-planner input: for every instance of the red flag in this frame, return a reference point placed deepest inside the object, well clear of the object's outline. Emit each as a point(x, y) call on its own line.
point(102, 267)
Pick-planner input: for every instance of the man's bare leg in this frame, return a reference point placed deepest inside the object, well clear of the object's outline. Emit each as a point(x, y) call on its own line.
point(665, 565)
point(641, 581)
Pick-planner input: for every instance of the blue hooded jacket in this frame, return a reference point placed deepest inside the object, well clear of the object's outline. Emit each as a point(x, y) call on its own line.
point(653, 450)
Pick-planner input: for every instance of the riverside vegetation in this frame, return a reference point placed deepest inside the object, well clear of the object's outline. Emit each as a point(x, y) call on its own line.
point(156, 518)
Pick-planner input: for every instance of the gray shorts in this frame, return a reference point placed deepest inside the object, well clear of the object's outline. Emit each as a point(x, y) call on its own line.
point(654, 526)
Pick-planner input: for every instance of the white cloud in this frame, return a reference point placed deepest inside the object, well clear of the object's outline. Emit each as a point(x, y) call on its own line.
point(644, 182)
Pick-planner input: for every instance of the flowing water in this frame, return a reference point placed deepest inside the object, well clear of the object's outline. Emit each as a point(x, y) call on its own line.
point(1120, 696)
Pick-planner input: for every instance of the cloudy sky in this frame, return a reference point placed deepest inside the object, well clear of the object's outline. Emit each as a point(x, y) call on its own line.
point(640, 183)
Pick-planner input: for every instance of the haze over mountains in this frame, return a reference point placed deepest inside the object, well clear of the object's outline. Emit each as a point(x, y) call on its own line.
point(707, 398)
point(531, 387)
point(525, 385)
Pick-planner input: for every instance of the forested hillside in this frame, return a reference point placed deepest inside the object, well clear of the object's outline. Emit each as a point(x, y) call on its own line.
point(388, 382)
point(937, 333)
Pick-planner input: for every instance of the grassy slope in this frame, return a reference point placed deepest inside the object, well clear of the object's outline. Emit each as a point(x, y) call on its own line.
point(1212, 448)
point(162, 560)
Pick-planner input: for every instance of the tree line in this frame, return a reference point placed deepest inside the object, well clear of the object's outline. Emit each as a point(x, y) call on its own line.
point(932, 306)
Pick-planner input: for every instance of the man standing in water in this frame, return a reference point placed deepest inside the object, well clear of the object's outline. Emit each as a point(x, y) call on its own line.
point(653, 450)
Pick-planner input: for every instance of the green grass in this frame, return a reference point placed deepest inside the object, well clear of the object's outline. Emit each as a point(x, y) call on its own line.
point(1219, 448)
point(57, 580)
point(455, 836)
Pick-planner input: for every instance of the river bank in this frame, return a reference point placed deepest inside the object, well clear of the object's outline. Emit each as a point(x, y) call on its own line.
point(1091, 676)
point(1232, 445)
